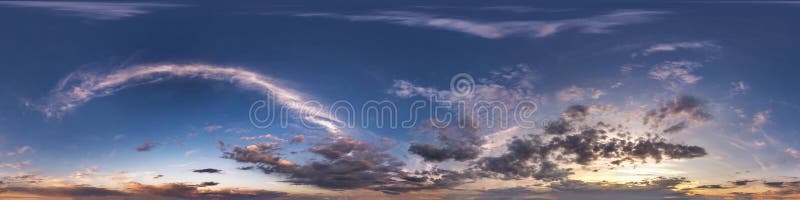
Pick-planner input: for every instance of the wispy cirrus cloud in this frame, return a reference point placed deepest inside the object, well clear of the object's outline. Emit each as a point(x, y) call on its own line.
point(79, 88)
point(93, 10)
point(500, 29)
point(666, 47)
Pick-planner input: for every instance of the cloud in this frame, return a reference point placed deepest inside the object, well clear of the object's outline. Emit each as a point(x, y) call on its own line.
point(211, 128)
point(680, 126)
point(666, 47)
point(79, 88)
point(346, 164)
point(759, 120)
point(457, 142)
point(500, 29)
point(675, 73)
point(182, 190)
point(682, 105)
point(298, 139)
point(534, 156)
point(655, 188)
point(793, 153)
point(575, 93)
point(20, 150)
point(147, 146)
point(93, 10)
point(207, 170)
point(66, 191)
point(16, 165)
point(739, 88)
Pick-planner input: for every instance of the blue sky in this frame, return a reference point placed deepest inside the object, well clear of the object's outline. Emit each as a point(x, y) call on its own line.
point(129, 98)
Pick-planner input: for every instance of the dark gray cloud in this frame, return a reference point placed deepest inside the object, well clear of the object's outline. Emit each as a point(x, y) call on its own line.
point(711, 187)
point(742, 182)
point(558, 127)
point(530, 157)
point(460, 142)
point(576, 112)
point(208, 183)
point(207, 170)
point(147, 146)
point(346, 164)
point(676, 128)
point(656, 188)
point(189, 191)
point(69, 191)
point(533, 156)
point(264, 155)
point(686, 105)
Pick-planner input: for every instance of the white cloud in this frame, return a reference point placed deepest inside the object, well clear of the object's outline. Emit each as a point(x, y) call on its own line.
point(20, 150)
point(676, 73)
point(79, 88)
point(665, 47)
point(739, 88)
point(92, 10)
point(792, 152)
point(575, 93)
point(211, 128)
point(500, 29)
point(759, 119)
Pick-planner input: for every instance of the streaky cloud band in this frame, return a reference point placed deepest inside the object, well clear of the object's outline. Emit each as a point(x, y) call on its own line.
point(80, 87)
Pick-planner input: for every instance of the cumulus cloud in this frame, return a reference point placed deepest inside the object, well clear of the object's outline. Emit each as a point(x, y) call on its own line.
point(535, 156)
point(499, 29)
point(79, 88)
point(675, 74)
point(683, 105)
point(93, 10)
point(147, 146)
point(297, 139)
point(459, 143)
point(347, 164)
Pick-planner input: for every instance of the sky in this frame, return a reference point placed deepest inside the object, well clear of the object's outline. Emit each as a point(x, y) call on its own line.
point(399, 100)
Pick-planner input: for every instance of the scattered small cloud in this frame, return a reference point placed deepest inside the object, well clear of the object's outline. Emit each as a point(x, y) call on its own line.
point(574, 94)
point(211, 128)
point(675, 74)
point(207, 170)
point(147, 146)
point(739, 88)
point(759, 120)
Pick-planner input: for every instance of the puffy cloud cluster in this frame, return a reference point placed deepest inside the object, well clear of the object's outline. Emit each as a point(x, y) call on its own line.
point(460, 143)
point(675, 74)
point(346, 164)
point(683, 105)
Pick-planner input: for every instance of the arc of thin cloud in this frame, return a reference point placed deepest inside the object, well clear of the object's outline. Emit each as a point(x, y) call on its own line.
point(79, 88)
